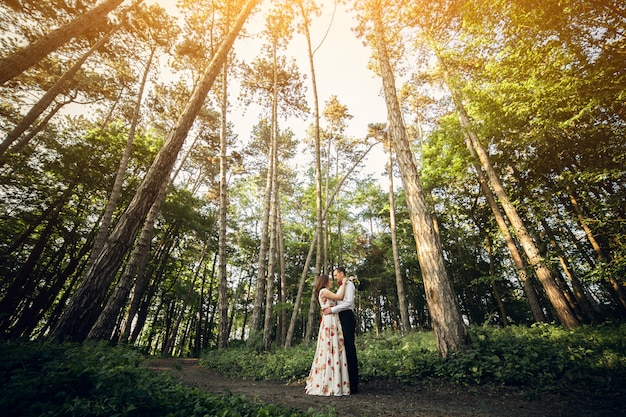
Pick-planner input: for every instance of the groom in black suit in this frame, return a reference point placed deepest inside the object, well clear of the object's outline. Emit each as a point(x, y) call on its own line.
point(345, 308)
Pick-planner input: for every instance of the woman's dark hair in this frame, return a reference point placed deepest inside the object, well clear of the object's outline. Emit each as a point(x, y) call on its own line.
point(320, 283)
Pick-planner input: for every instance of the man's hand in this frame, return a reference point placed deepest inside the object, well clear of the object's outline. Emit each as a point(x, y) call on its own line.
point(327, 311)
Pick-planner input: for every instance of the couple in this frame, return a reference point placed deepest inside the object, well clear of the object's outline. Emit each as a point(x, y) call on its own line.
point(335, 368)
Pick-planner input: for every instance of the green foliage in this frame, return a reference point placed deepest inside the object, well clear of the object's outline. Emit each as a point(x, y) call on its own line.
point(97, 380)
point(281, 364)
point(543, 357)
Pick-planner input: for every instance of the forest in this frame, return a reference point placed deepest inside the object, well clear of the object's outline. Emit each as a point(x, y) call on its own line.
point(134, 211)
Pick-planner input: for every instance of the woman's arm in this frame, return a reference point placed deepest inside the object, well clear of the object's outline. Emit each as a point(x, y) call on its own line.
point(331, 295)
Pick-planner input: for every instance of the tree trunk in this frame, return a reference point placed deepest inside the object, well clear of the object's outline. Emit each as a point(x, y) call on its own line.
point(577, 286)
point(23, 284)
point(24, 58)
point(402, 304)
point(25, 139)
point(137, 265)
point(107, 217)
point(319, 231)
point(41, 305)
point(281, 333)
point(85, 305)
point(603, 257)
point(562, 309)
point(257, 310)
point(518, 261)
point(450, 332)
point(564, 312)
point(492, 273)
point(271, 276)
point(222, 298)
point(50, 95)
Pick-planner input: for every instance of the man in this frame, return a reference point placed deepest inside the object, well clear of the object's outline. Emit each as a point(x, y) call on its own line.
point(345, 308)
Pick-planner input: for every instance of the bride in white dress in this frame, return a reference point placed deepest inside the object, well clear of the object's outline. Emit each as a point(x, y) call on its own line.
point(329, 371)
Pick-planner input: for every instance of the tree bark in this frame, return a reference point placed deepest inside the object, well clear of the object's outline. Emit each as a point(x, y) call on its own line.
point(603, 257)
point(136, 268)
point(404, 310)
point(257, 310)
point(319, 230)
point(271, 276)
point(222, 298)
point(564, 312)
point(450, 332)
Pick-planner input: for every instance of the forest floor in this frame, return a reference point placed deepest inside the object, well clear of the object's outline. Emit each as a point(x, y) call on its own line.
point(382, 398)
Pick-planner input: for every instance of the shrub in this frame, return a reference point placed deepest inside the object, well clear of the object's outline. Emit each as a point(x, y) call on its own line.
point(47, 380)
point(541, 357)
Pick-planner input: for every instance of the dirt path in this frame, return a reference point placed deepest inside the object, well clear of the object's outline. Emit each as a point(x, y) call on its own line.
point(384, 399)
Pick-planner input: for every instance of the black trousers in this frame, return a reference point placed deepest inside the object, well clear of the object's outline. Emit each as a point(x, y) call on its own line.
point(348, 323)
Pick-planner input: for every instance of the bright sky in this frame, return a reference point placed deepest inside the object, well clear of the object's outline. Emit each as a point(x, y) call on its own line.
point(341, 70)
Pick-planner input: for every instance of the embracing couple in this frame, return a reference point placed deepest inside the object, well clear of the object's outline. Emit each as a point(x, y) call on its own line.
point(335, 367)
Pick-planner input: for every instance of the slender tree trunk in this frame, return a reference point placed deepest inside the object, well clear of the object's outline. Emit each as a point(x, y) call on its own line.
point(136, 267)
point(273, 235)
point(305, 269)
point(257, 310)
point(86, 303)
point(198, 340)
point(26, 57)
point(28, 319)
point(25, 139)
point(268, 323)
point(402, 304)
point(222, 299)
point(603, 257)
point(565, 314)
point(496, 292)
point(577, 286)
point(313, 304)
point(319, 231)
point(24, 283)
point(244, 322)
point(107, 217)
point(210, 319)
point(450, 332)
point(518, 261)
point(562, 308)
point(282, 291)
point(45, 101)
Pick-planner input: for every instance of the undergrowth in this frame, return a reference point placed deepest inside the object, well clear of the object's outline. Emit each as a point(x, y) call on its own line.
point(48, 380)
point(543, 357)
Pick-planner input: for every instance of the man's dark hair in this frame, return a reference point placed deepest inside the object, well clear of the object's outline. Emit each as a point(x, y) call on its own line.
point(341, 269)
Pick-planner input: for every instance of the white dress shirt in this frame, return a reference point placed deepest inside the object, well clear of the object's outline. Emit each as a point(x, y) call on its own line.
point(348, 299)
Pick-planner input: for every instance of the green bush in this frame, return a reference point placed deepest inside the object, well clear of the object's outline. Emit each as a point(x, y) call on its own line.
point(47, 380)
point(542, 357)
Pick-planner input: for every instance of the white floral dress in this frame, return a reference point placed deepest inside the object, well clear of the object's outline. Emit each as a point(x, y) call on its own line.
point(329, 371)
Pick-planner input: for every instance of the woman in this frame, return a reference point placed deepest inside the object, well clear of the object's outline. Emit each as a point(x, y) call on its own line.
point(329, 371)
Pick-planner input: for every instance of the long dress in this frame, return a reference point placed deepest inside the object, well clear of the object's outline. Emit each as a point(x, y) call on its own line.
point(329, 371)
